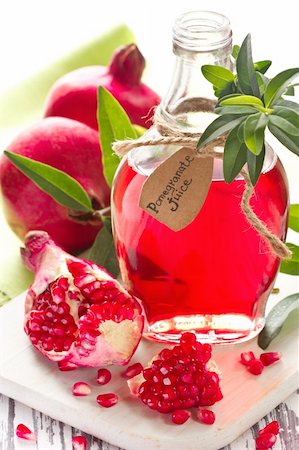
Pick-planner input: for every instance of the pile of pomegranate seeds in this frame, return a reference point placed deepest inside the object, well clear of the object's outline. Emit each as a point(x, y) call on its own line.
point(256, 365)
point(178, 379)
point(79, 443)
point(81, 389)
point(267, 436)
point(23, 432)
point(103, 376)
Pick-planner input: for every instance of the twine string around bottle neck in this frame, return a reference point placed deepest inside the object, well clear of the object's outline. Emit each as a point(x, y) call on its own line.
point(173, 135)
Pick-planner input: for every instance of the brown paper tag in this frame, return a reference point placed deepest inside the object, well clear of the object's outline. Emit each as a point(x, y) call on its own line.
point(175, 192)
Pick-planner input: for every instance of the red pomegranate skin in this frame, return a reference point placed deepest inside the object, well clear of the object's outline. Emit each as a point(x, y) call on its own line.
point(75, 94)
point(67, 145)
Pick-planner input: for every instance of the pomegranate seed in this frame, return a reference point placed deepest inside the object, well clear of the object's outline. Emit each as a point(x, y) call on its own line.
point(81, 389)
point(188, 338)
point(132, 371)
point(23, 432)
point(247, 358)
point(79, 443)
point(107, 400)
point(65, 366)
point(270, 358)
point(255, 367)
point(272, 427)
point(180, 416)
point(265, 440)
point(104, 376)
point(206, 416)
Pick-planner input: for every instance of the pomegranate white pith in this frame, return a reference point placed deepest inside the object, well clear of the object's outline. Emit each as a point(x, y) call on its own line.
point(75, 312)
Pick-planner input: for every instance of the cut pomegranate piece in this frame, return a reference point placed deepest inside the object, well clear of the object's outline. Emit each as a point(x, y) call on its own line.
point(255, 367)
point(265, 441)
point(246, 358)
point(107, 400)
point(270, 358)
point(180, 416)
point(132, 370)
point(104, 376)
point(24, 432)
point(75, 313)
point(206, 416)
point(81, 389)
point(272, 427)
point(178, 378)
point(79, 442)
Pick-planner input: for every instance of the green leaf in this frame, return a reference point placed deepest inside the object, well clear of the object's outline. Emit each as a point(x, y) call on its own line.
point(276, 318)
point(290, 90)
point(219, 126)
point(235, 52)
point(63, 188)
point(234, 156)
point(103, 251)
point(254, 132)
point(294, 217)
point(291, 266)
point(277, 86)
point(262, 81)
point(262, 66)
point(217, 75)
point(248, 100)
point(114, 125)
point(291, 142)
point(246, 74)
point(286, 119)
point(228, 89)
point(255, 165)
point(287, 104)
point(239, 109)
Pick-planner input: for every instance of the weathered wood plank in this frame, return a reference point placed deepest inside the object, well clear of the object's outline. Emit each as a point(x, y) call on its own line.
point(54, 435)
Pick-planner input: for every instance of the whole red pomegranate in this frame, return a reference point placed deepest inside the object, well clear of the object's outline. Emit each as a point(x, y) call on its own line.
point(67, 145)
point(75, 94)
point(75, 313)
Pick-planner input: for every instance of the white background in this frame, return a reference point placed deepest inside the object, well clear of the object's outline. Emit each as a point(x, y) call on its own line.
point(33, 33)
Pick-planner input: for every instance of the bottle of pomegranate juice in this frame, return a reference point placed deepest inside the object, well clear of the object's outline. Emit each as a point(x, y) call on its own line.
point(212, 277)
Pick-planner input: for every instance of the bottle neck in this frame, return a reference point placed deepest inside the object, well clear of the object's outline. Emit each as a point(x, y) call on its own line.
point(199, 38)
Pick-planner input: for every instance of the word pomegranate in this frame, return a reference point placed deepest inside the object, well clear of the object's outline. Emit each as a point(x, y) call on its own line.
point(178, 378)
point(75, 312)
point(75, 94)
point(66, 145)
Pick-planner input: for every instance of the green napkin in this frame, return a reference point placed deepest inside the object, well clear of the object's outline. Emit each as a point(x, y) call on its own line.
point(22, 105)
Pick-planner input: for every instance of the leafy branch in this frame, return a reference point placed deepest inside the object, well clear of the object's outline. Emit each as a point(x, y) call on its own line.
point(248, 104)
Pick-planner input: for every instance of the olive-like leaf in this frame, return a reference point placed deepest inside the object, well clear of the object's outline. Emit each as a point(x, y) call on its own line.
point(217, 75)
point(235, 52)
point(287, 104)
point(277, 85)
point(262, 66)
point(291, 142)
point(234, 156)
point(291, 266)
point(254, 132)
point(59, 185)
point(255, 165)
point(227, 89)
point(103, 250)
point(262, 81)
point(294, 217)
point(248, 100)
point(219, 126)
point(114, 125)
point(246, 74)
point(238, 109)
point(276, 318)
point(286, 119)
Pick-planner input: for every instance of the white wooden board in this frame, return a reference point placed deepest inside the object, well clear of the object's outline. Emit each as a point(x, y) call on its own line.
point(26, 376)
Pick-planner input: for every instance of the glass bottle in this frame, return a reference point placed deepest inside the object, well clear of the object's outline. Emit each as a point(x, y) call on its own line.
point(214, 276)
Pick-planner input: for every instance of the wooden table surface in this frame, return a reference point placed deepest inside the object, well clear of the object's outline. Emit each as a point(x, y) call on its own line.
point(54, 435)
